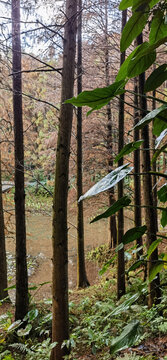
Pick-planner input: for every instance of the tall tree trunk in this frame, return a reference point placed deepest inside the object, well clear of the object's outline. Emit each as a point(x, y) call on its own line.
point(21, 264)
point(3, 263)
point(112, 219)
point(60, 323)
point(150, 216)
point(82, 280)
point(121, 260)
point(137, 185)
point(154, 167)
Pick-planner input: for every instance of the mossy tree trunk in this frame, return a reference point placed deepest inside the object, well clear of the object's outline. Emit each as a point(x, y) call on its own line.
point(60, 323)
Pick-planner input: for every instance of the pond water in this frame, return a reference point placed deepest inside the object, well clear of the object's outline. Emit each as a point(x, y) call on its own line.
point(39, 246)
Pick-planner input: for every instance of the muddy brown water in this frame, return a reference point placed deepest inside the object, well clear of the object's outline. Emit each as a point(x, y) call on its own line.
point(39, 245)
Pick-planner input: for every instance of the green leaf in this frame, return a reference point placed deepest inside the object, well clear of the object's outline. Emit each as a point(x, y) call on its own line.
point(127, 338)
point(108, 181)
point(162, 193)
point(136, 265)
point(124, 306)
point(122, 73)
point(127, 149)
point(159, 125)
point(119, 204)
point(139, 64)
point(31, 315)
point(160, 138)
point(164, 217)
point(158, 27)
point(124, 4)
point(133, 234)
point(107, 265)
point(119, 247)
point(157, 77)
point(14, 325)
point(133, 28)
point(151, 115)
point(99, 97)
point(158, 152)
point(155, 270)
point(152, 247)
point(24, 332)
point(153, 3)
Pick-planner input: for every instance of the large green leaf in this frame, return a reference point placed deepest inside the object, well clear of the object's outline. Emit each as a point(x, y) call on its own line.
point(151, 115)
point(164, 217)
point(133, 28)
point(158, 27)
point(152, 3)
point(152, 247)
point(133, 234)
point(139, 64)
point(127, 149)
point(149, 48)
point(159, 124)
point(124, 4)
point(119, 204)
point(156, 269)
point(160, 138)
point(157, 77)
point(135, 4)
point(162, 193)
point(127, 338)
point(122, 73)
point(108, 181)
point(99, 97)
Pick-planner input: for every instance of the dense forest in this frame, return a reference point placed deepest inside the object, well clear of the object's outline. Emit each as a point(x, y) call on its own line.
point(83, 191)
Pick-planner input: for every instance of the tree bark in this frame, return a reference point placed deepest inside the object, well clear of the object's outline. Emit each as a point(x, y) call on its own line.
point(137, 184)
point(112, 219)
point(21, 261)
point(154, 167)
point(150, 216)
point(3, 263)
point(60, 323)
point(121, 260)
point(82, 280)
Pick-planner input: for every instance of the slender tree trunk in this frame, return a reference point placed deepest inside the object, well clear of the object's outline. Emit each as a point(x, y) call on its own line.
point(137, 185)
point(3, 263)
point(154, 167)
point(82, 280)
point(121, 261)
point(60, 323)
point(150, 216)
point(21, 264)
point(112, 219)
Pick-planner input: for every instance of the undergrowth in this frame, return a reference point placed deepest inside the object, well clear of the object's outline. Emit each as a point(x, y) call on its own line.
point(96, 320)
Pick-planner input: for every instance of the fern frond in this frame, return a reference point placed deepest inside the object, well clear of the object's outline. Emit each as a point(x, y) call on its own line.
point(21, 348)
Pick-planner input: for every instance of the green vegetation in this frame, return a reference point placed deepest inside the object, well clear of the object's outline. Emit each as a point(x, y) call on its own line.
point(96, 322)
